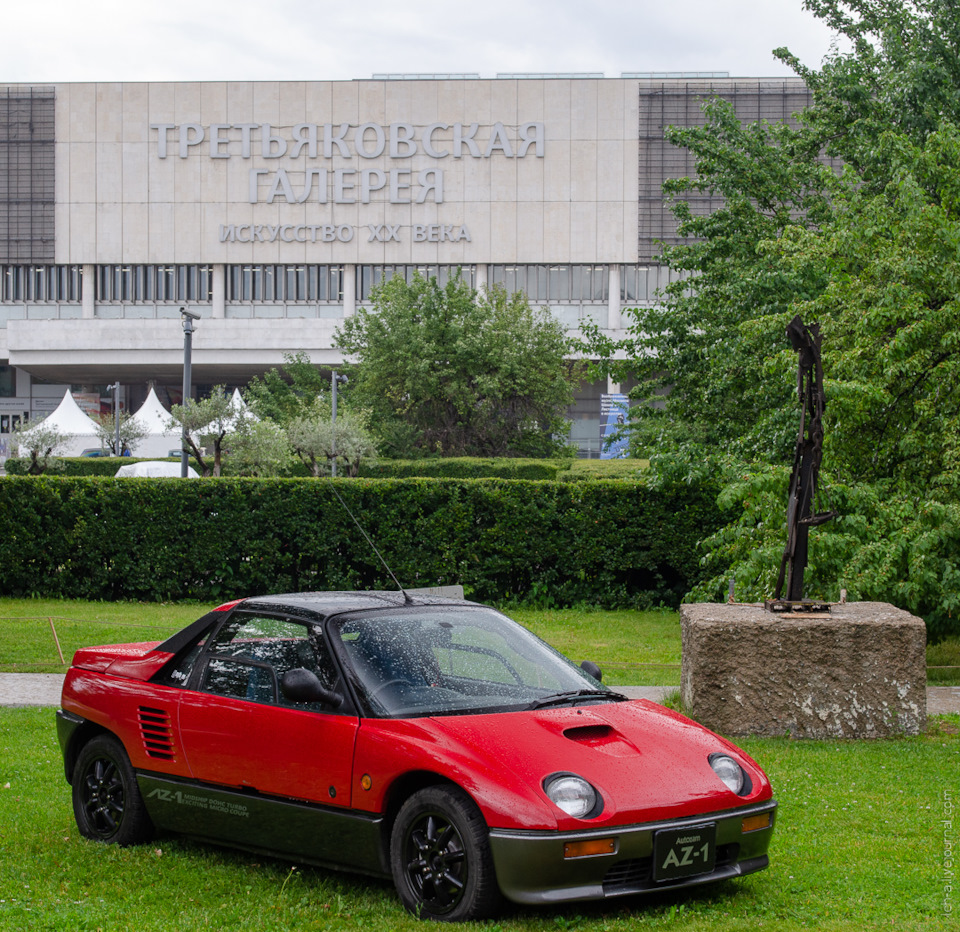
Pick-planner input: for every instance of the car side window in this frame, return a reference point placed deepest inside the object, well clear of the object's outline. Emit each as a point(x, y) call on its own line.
point(250, 654)
point(178, 671)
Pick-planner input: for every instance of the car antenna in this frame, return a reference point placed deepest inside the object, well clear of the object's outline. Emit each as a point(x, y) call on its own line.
point(406, 595)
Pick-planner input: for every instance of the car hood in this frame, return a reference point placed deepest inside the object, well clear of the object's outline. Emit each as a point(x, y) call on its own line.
point(647, 762)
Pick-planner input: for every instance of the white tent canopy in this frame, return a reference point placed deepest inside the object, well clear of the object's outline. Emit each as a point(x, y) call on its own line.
point(79, 429)
point(241, 408)
point(160, 439)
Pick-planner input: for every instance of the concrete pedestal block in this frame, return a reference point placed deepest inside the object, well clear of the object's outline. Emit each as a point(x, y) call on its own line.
point(857, 672)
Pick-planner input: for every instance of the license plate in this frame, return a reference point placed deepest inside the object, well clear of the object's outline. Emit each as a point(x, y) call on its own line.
point(684, 852)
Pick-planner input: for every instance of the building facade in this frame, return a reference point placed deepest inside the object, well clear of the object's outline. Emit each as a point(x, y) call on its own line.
point(272, 209)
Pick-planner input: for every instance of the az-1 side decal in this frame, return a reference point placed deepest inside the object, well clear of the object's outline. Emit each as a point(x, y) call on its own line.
point(209, 803)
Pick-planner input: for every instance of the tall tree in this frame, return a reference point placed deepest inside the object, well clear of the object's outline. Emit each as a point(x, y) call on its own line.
point(287, 393)
point(702, 355)
point(450, 371)
point(713, 353)
point(872, 251)
point(206, 423)
point(317, 440)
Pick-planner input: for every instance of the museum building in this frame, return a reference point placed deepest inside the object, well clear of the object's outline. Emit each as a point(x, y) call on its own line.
point(272, 209)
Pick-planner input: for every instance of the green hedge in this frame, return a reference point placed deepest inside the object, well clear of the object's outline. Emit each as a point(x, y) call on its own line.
point(605, 543)
point(88, 465)
point(460, 467)
point(465, 467)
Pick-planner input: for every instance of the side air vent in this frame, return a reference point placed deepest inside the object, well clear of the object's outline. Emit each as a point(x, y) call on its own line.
point(156, 733)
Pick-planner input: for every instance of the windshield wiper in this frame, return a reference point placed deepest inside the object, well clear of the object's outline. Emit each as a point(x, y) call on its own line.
point(576, 695)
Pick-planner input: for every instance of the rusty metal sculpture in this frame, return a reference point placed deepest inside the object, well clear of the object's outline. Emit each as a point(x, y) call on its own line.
point(805, 339)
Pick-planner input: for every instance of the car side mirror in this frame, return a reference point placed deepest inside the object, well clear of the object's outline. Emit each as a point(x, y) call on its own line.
point(588, 666)
point(303, 685)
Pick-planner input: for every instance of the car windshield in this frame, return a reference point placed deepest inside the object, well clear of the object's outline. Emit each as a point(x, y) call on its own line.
point(445, 660)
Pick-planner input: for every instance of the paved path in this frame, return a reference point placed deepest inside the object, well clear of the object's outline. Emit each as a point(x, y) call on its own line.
point(30, 688)
point(22, 689)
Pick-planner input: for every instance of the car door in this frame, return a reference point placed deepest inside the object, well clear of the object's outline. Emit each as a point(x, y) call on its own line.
point(238, 730)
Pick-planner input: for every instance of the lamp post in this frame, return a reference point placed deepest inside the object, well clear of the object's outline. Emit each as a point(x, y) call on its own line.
point(334, 381)
point(186, 319)
point(115, 388)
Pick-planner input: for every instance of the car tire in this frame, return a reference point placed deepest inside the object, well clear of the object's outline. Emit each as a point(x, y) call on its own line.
point(440, 857)
point(107, 803)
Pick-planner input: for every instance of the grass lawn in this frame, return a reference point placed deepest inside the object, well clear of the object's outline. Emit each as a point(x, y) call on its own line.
point(632, 648)
point(860, 844)
point(28, 644)
point(865, 834)
point(943, 663)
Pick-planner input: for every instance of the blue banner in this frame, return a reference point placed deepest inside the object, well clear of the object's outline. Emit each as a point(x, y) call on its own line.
point(614, 430)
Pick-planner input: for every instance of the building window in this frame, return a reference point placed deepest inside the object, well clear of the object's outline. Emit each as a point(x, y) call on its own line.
point(8, 382)
point(40, 284)
point(641, 284)
point(289, 284)
point(154, 283)
point(554, 284)
point(370, 276)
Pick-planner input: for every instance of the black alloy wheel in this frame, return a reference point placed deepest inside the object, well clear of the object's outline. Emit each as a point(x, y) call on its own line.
point(107, 804)
point(440, 857)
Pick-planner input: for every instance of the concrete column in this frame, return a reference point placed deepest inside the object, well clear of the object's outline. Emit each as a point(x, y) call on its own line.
point(88, 291)
point(349, 290)
point(219, 296)
point(482, 282)
point(614, 321)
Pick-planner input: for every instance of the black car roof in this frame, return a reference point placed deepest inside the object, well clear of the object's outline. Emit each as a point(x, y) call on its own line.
point(325, 604)
point(317, 606)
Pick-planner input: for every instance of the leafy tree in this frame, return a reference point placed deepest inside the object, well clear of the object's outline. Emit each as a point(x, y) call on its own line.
point(206, 422)
point(41, 444)
point(317, 441)
point(257, 448)
point(297, 400)
point(132, 432)
point(900, 76)
point(450, 371)
point(872, 251)
point(713, 353)
point(707, 357)
point(891, 320)
point(287, 394)
point(890, 543)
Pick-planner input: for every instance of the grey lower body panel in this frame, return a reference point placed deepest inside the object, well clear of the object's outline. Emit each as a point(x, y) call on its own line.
point(342, 839)
point(531, 866)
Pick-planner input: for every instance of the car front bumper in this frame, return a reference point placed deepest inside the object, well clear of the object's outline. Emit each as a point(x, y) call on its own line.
point(532, 867)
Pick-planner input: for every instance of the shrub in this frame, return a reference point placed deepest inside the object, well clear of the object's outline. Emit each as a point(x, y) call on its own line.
point(607, 543)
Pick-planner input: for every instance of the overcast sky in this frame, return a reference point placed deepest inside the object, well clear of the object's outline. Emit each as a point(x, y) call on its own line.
point(177, 40)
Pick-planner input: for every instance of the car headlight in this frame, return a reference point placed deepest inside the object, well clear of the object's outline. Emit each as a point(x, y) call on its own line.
point(573, 795)
point(731, 773)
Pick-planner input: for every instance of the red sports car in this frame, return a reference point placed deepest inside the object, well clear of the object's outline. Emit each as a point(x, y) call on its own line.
point(430, 740)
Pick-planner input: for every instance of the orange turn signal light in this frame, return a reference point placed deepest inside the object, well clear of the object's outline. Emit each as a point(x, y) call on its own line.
point(586, 849)
point(754, 823)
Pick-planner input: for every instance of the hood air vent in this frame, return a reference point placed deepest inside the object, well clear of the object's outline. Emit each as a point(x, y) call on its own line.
point(590, 734)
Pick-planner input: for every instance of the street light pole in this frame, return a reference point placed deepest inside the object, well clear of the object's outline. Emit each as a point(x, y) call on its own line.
point(334, 380)
point(186, 319)
point(115, 388)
